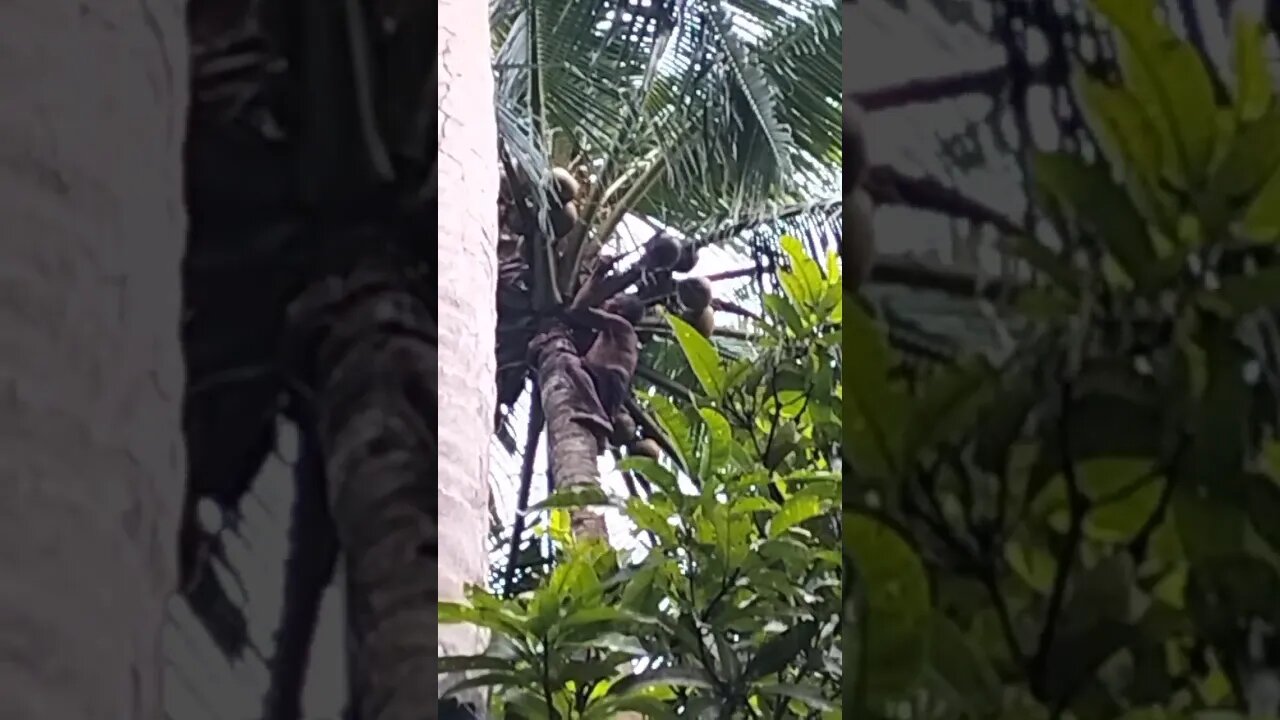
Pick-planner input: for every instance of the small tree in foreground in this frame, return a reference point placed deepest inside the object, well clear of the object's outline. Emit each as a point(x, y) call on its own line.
point(732, 607)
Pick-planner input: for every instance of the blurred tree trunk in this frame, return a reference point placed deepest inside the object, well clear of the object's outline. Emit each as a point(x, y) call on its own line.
point(95, 98)
point(375, 393)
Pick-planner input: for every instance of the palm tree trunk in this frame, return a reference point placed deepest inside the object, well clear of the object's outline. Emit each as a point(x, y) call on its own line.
point(571, 444)
point(90, 366)
point(374, 402)
point(467, 165)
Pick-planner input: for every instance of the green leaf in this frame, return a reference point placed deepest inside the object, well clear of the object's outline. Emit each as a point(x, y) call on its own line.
point(525, 704)
point(1104, 423)
point(615, 643)
point(646, 517)
point(950, 401)
point(599, 614)
point(795, 510)
point(1245, 294)
point(750, 505)
point(876, 406)
point(485, 680)
point(1088, 194)
point(1208, 499)
point(1264, 507)
point(644, 592)
point(465, 663)
point(729, 532)
point(652, 471)
point(1146, 713)
point(782, 309)
point(780, 651)
point(574, 497)
point(1262, 219)
point(833, 268)
point(804, 283)
point(573, 583)
point(783, 440)
point(726, 655)
point(895, 589)
point(1031, 562)
point(1077, 655)
point(1130, 143)
point(719, 440)
point(1002, 422)
point(1224, 590)
point(1119, 520)
point(588, 672)
point(1251, 158)
point(701, 354)
point(1127, 134)
point(611, 707)
point(966, 672)
point(1124, 494)
point(1207, 525)
point(791, 553)
point(807, 694)
point(677, 426)
point(1253, 81)
point(1047, 262)
point(689, 677)
point(1167, 76)
point(450, 613)
point(1103, 592)
point(496, 619)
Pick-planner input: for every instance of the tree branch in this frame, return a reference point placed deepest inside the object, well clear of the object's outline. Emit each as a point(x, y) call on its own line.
point(536, 421)
point(889, 186)
point(918, 275)
point(989, 81)
point(1078, 506)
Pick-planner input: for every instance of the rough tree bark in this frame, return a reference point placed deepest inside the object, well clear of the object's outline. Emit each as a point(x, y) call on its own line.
point(374, 335)
point(573, 448)
point(467, 165)
point(95, 98)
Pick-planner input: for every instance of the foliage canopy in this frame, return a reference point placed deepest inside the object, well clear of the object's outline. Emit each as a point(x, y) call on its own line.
point(1084, 526)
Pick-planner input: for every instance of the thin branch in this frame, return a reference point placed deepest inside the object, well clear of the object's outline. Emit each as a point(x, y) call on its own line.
point(1138, 545)
point(659, 380)
point(1078, 506)
point(755, 220)
point(989, 81)
point(734, 274)
point(987, 576)
point(732, 308)
point(918, 275)
point(537, 419)
point(889, 186)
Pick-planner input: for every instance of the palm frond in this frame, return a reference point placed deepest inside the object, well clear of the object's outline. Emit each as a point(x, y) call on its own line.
point(734, 102)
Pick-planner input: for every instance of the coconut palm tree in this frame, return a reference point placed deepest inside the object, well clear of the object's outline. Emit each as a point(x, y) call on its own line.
point(91, 363)
point(700, 118)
